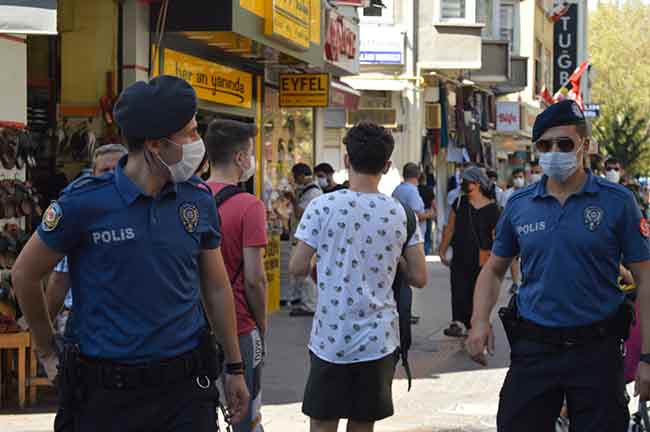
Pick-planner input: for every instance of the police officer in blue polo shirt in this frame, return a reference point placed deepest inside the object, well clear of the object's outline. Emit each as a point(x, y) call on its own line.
point(146, 270)
point(566, 325)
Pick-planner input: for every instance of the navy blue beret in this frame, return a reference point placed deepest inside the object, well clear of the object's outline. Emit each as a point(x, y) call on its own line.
point(155, 109)
point(563, 113)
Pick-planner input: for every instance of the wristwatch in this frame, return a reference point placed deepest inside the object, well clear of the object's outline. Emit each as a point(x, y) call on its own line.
point(645, 358)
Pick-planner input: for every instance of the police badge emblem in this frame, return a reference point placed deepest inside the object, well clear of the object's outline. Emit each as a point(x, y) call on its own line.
point(52, 217)
point(189, 214)
point(593, 217)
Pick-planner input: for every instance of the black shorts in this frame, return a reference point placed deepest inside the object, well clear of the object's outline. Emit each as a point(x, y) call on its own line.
point(357, 391)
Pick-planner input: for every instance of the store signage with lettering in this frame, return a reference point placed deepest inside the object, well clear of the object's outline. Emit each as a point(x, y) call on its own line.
point(213, 82)
point(289, 21)
point(381, 45)
point(592, 110)
point(342, 42)
point(304, 90)
point(508, 117)
point(565, 47)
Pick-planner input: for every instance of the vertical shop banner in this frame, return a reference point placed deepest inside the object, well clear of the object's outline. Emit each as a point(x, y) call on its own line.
point(213, 82)
point(28, 16)
point(289, 21)
point(565, 47)
point(342, 42)
point(272, 268)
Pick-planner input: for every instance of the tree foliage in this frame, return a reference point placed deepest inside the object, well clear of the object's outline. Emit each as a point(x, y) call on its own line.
point(626, 136)
point(619, 44)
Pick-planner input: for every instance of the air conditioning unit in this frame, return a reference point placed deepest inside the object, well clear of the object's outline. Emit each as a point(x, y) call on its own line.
point(386, 117)
point(433, 117)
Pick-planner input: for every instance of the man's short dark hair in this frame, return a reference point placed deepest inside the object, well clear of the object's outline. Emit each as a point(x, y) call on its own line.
point(226, 137)
point(411, 170)
point(534, 163)
point(612, 161)
point(325, 168)
point(517, 171)
point(369, 147)
point(301, 169)
point(491, 174)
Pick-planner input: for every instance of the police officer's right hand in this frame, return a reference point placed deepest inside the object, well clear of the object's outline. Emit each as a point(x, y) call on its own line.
point(443, 258)
point(480, 341)
point(237, 397)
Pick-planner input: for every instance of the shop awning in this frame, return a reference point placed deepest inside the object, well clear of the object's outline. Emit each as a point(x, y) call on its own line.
point(378, 82)
point(344, 96)
point(28, 16)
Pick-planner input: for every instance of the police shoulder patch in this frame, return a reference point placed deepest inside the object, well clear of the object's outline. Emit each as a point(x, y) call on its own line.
point(52, 217)
point(644, 228)
point(593, 217)
point(189, 214)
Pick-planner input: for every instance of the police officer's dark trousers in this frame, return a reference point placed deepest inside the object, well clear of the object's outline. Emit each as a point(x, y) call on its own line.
point(541, 374)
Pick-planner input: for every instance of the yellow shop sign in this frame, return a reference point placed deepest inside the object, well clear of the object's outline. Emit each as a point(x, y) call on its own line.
point(289, 21)
point(304, 90)
point(213, 82)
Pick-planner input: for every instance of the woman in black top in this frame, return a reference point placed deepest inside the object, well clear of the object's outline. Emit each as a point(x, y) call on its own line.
point(470, 232)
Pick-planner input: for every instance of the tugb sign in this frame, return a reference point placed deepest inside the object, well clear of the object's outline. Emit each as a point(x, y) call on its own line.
point(304, 90)
point(342, 42)
point(565, 47)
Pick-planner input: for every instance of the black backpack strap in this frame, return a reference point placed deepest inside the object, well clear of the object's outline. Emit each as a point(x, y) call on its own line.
point(308, 188)
point(404, 297)
point(221, 197)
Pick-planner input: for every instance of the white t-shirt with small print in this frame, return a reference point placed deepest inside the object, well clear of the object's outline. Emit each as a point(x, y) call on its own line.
point(358, 239)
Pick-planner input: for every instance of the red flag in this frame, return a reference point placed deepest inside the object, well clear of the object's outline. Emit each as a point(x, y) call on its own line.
point(546, 96)
point(576, 92)
point(577, 74)
point(558, 11)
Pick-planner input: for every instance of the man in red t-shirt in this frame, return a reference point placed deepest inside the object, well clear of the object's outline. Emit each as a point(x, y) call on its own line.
point(243, 229)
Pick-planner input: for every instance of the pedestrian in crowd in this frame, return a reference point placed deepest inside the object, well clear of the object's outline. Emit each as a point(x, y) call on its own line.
point(518, 183)
point(500, 195)
point(304, 299)
point(359, 238)
point(146, 271)
point(324, 173)
point(470, 233)
point(536, 172)
point(58, 295)
point(231, 151)
point(566, 325)
point(613, 170)
point(408, 194)
point(428, 198)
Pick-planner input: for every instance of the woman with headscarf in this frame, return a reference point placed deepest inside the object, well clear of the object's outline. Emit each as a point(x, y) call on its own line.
point(470, 233)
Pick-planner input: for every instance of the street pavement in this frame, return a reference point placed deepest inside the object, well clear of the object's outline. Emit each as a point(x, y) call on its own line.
point(449, 393)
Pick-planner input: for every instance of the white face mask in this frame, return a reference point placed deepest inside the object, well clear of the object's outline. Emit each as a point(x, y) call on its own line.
point(518, 182)
point(559, 165)
point(613, 176)
point(322, 182)
point(192, 155)
point(250, 171)
point(535, 177)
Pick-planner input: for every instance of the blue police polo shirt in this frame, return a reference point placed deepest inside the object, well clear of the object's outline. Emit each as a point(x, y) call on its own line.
point(134, 264)
point(570, 255)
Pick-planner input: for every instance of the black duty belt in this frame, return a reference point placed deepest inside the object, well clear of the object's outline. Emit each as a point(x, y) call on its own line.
point(616, 325)
point(116, 376)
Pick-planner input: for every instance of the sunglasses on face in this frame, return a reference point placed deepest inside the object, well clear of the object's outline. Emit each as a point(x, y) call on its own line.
point(564, 144)
point(611, 168)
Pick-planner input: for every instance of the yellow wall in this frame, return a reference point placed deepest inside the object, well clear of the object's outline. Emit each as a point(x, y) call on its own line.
point(88, 30)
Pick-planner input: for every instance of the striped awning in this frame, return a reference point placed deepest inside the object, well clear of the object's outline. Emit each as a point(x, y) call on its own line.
point(28, 16)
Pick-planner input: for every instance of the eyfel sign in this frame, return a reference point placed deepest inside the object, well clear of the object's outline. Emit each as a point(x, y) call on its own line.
point(304, 90)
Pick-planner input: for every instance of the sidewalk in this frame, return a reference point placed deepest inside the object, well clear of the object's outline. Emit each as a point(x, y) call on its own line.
point(450, 392)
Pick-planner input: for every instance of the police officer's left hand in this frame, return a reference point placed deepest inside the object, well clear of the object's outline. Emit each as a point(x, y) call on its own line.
point(479, 341)
point(642, 385)
point(237, 397)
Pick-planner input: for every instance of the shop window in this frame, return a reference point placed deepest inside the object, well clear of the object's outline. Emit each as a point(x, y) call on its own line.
point(288, 138)
point(484, 16)
point(376, 99)
point(539, 71)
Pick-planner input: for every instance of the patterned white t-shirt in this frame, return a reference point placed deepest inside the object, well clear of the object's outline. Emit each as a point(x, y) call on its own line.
point(358, 238)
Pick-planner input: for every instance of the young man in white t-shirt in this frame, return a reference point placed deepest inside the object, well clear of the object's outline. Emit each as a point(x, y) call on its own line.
point(358, 236)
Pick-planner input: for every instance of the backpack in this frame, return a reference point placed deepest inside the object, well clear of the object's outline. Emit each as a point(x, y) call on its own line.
point(404, 298)
point(221, 197)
